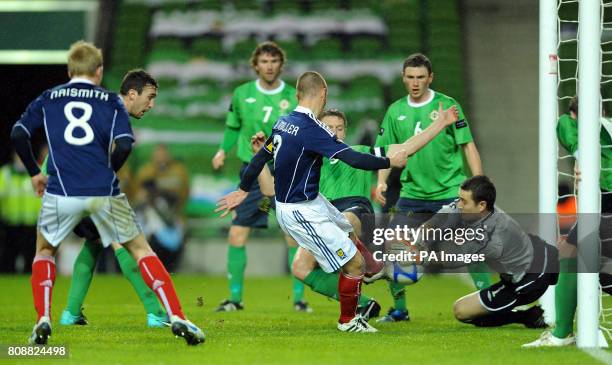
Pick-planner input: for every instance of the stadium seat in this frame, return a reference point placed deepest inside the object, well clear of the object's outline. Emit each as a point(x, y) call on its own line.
point(365, 85)
point(294, 50)
point(207, 47)
point(168, 50)
point(283, 6)
point(242, 50)
point(208, 5)
point(247, 5)
point(321, 5)
point(328, 48)
point(366, 47)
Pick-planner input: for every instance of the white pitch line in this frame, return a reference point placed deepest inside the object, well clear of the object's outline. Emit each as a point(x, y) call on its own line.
point(599, 354)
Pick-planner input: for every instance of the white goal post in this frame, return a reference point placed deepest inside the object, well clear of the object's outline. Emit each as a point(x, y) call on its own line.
point(588, 89)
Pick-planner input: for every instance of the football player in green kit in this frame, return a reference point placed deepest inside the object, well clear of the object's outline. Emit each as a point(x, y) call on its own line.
point(434, 174)
point(566, 288)
point(349, 190)
point(256, 106)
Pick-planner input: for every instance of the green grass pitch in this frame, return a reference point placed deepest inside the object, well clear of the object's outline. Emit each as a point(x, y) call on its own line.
point(268, 331)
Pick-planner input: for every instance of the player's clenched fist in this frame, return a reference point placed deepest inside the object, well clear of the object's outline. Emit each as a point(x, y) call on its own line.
point(379, 194)
point(257, 141)
point(218, 160)
point(398, 159)
point(448, 116)
point(39, 184)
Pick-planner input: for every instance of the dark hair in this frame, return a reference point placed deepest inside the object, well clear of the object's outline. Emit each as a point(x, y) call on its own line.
point(573, 105)
point(482, 190)
point(333, 113)
point(417, 60)
point(136, 80)
point(270, 48)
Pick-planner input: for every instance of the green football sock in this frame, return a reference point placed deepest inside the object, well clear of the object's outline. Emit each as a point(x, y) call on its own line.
point(82, 274)
point(480, 275)
point(398, 292)
point(236, 262)
point(298, 286)
point(327, 284)
point(565, 298)
point(130, 270)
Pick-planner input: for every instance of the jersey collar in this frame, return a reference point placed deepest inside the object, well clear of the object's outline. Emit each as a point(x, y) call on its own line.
point(81, 80)
point(304, 110)
point(269, 92)
point(418, 105)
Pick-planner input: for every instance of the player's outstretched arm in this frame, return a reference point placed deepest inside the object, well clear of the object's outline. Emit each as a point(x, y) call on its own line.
point(253, 169)
point(473, 158)
point(364, 161)
point(265, 178)
point(415, 143)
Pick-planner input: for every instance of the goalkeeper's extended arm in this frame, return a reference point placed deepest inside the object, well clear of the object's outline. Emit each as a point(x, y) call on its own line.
point(254, 168)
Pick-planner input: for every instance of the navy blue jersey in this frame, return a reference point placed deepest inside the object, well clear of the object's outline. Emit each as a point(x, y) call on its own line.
point(81, 121)
point(298, 143)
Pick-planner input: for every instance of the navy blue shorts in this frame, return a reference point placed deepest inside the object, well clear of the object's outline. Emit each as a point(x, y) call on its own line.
point(254, 210)
point(357, 205)
point(87, 229)
point(414, 212)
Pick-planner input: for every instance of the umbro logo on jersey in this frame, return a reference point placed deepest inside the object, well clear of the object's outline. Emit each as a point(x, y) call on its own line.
point(401, 117)
point(333, 161)
point(250, 100)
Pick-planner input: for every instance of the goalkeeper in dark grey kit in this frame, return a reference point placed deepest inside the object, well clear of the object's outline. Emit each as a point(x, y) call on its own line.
point(527, 265)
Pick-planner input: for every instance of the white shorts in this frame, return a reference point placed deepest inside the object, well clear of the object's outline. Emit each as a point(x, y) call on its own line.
point(320, 228)
point(112, 215)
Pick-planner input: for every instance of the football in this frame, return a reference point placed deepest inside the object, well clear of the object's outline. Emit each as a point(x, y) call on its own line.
point(403, 270)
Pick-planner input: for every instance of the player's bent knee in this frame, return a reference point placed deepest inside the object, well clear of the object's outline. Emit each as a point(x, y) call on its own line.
point(458, 312)
point(238, 236)
point(300, 269)
point(355, 266)
point(138, 247)
point(461, 312)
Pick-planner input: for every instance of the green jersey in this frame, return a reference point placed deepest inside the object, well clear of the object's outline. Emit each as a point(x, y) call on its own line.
point(567, 133)
point(436, 171)
point(255, 109)
point(339, 180)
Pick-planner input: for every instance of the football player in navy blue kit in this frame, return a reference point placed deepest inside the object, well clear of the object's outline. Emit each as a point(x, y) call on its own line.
point(297, 144)
point(82, 122)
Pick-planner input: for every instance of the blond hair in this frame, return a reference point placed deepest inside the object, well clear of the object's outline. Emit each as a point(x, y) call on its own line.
point(309, 84)
point(83, 59)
